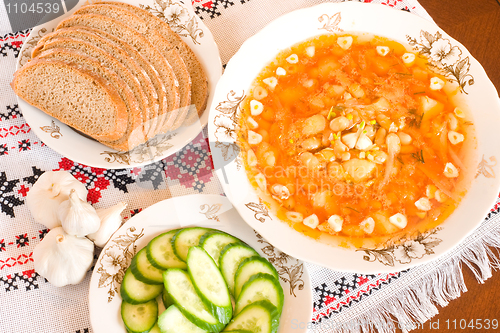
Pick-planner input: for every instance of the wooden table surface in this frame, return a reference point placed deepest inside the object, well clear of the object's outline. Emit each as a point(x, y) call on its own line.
point(475, 24)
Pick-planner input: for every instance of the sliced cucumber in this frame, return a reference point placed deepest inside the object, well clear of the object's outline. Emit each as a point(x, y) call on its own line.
point(134, 291)
point(230, 259)
point(258, 317)
point(139, 318)
point(183, 293)
point(173, 321)
point(166, 299)
point(161, 253)
point(250, 267)
point(209, 284)
point(144, 271)
point(214, 242)
point(155, 329)
point(261, 287)
point(185, 238)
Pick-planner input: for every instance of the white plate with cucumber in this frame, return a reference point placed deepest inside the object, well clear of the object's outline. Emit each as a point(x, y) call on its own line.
point(195, 256)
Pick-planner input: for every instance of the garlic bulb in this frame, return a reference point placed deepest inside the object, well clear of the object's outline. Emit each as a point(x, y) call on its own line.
point(78, 217)
point(63, 259)
point(52, 188)
point(111, 220)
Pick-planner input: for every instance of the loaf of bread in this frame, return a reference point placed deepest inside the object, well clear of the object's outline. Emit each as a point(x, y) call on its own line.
point(125, 62)
point(134, 134)
point(116, 73)
point(172, 56)
point(141, 45)
point(199, 81)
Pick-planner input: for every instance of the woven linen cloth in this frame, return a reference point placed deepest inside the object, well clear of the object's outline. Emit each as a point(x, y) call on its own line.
point(342, 302)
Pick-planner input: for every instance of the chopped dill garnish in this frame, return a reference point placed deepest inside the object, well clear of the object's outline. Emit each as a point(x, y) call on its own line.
point(419, 156)
point(409, 74)
point(468, 123)
point(419, 92)
point(357, 211)
point(400, 160)
point(417, 120)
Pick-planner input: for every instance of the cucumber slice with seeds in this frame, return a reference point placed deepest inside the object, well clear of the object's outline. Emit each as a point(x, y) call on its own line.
point(215, 242)
point(230, 259)
point(258, 317)
point(200, 301)
point(161, 253)
point(261, 287)
point(139, 318)
point(134, 291)
point(183, 293)
point(144, 271)
point(185, 238)
point(173, 321)
point(250, 267)
point(209, 283)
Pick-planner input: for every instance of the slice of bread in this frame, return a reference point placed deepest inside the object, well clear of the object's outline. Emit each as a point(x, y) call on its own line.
point(143, 46)
point(134, 134)
point(104, 58)
point(199, 81)
point(132, 67)
point(74, 96)
point(172, 56)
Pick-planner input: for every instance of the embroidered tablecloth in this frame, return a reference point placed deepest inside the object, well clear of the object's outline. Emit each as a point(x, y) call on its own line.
point(342, 302)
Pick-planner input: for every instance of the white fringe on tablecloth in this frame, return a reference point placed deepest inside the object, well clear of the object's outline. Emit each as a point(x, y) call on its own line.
point(420, 290)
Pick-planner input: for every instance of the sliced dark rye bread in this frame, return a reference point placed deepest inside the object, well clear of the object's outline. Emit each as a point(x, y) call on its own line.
point(199, 81)
point(135, 70)
point(105, 59)
point(143, 46)
point(134, 134)
point(172, 56)
point(74, 96)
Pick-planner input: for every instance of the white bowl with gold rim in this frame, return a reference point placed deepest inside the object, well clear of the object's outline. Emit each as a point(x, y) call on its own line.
point(403, 250)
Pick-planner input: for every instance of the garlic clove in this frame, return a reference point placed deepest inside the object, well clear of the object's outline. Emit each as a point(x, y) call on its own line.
point(310, 51)
point(111, 220)
point(52, 188)
point(383, 50)
point(78, 217)
point(63, 259)
point(345, 42)
point(408, 58)
point(311, 221)
point(294, 216)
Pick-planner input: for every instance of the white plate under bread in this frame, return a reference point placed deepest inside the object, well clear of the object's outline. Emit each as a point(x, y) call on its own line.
point(172, 131)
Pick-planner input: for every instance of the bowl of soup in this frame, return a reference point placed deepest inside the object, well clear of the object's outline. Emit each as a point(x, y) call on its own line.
point(357, 137)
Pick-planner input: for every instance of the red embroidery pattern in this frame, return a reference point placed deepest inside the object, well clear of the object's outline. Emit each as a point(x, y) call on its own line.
point(22, 259)
point(333, 305)
point(20, 34)
point(14, 130)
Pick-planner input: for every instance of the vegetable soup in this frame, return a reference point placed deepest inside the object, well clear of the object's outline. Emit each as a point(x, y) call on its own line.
point(355, 136)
